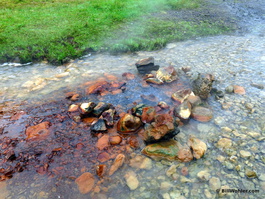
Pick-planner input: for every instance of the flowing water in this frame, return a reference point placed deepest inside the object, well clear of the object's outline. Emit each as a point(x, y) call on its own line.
point(38, 90)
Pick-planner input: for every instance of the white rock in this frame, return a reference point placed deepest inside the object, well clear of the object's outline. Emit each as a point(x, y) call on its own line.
point(131, 180)
point(244, 154)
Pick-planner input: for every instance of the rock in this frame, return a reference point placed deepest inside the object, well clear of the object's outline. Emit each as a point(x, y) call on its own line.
point(154, 81)
point(204, 175)
point(167, 75)
point(103, 142)
point(128, 76)
point(39, 131)
point(100, 108)
point(229, 89)
point(245, 154)
point(87, 107)
point(118, 162)
point(101, 170)
point(73, 108)
point(149, 98)
point(215, 183)
point(148, 114)
point(99, 126)
point(184, 171)
point(166, 186)
point(183, 111)
point(90, 120)
point(131, 180)
point(198, 147)
point(239, 90)
point(163, 105)
point(85, 182)
point(114, 140)
point(141, 162)
point(181, 95)
point(129, 123)
point(250, 173)
point(18, 115)
point(162, 128)
point(224, 143)
point(194, 100)
point(201, 114)
point(147, 65)
point(185, 154)
point(103, 157)
point(259, 86)
point(108, 116)
point(249, 106)
point(98, 87)
point(65, 74)
point(166, 150)
point(202, 86)
point(172, 170)
point(75, 97)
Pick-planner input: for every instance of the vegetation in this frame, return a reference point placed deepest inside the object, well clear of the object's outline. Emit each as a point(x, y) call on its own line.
point(58, 30)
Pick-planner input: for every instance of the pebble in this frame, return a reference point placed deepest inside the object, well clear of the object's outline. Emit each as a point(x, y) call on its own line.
point(224, 143)
point(215, 183)
point(244, 154)
point(204, 175)
point(131, 180)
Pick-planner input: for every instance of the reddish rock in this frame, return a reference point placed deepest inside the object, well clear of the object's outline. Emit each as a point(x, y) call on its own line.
point(184, 171)
point(90, 120)
point(133, 142)
point(114, 140)
point(18, 115)
point(101, 170)
point(85, 182)
point(128, 76)
point(148, 114)
point(129, 123)
point(239, 90)
point(39, 131)
point(202, 114)
point(116, 92)
point(185, 154)
point(73, 108)
point(75, 97)
point(103, 157)
point(98, 87)
point(103, 142)
point(111, 77)
point(118, 162)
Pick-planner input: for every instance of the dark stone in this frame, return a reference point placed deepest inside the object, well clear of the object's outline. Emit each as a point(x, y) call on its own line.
point(258, 86)
point(108, 116)
point(145, 66)
point(100, 108)
point(202, 86)
point(99, 126)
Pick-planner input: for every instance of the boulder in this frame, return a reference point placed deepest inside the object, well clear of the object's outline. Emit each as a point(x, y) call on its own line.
point(202, 86)
point(147, 65)
point(129, 123)
point(201, 114)
point(85, 182)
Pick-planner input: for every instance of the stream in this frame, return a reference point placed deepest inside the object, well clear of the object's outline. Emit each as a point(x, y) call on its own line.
point(39, 91)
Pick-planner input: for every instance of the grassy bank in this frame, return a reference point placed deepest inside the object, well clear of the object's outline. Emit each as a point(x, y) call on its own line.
point(58, 30)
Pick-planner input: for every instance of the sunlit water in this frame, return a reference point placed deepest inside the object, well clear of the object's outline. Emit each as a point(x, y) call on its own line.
point(234, 60)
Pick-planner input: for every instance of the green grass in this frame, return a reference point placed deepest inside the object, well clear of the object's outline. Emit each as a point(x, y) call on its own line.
point(58, 30)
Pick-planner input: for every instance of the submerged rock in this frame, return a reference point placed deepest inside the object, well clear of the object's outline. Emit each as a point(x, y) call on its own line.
point(131, 180)
point(141, 162)
point(118, 162)
point(85, 182)
point(146, 113)
point(239, 90)
point(168, 150)
point(162, 129)
point(164, 75)
point(202, 114)
point(129, 123)
point(183, 111)
point(198, 147)
point(181, 95)
point(202, 86)
point(39, 131)
point(147, 65)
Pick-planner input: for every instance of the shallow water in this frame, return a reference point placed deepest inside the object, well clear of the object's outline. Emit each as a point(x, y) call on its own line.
point(39, 90)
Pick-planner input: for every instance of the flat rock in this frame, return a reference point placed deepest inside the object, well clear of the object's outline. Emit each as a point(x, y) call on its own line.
point(202, 114)
point(39, 131)
point(118, 162)
point(239, 90)
point(85, 182)
point(103, 142)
